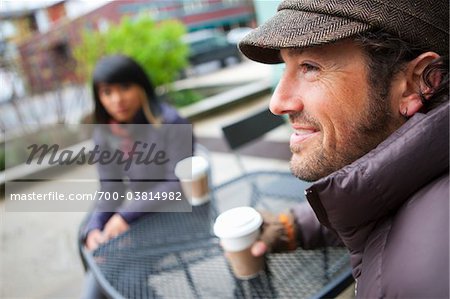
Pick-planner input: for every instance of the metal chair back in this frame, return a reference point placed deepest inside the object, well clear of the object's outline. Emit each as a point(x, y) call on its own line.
point(244, 131)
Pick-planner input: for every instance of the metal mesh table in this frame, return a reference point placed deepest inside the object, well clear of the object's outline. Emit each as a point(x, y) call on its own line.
point(176, 255)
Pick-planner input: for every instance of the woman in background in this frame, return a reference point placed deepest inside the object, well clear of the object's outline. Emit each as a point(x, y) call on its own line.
point(124, 95)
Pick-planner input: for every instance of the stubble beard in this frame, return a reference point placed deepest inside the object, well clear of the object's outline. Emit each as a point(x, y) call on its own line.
point(374, 126)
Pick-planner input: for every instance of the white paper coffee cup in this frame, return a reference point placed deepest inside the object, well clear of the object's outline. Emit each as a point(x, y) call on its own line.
point(193, 175)
point(238, 229)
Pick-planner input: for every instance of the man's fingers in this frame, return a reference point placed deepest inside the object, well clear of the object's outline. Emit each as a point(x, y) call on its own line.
point(259, 248)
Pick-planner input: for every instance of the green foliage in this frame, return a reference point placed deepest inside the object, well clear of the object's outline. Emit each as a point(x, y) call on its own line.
point(184, 98)
point(157, 46)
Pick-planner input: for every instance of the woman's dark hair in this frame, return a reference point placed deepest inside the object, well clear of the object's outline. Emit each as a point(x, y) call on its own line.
point(389, 54)
point(121, 69)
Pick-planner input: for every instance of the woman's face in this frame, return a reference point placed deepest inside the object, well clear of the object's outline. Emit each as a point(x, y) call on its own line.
point(121, 100)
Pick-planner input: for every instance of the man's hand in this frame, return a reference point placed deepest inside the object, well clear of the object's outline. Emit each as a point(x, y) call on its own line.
point(259, 248)
point(278, 234)
point(115, 226)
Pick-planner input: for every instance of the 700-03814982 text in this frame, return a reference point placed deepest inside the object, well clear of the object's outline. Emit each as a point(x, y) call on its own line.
point(139, 195)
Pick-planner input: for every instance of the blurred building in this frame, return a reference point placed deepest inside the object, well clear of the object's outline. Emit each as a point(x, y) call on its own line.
point(50, 33)
point(15, 27)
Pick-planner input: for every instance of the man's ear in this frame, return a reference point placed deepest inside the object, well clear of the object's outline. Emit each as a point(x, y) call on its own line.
point(411, 100)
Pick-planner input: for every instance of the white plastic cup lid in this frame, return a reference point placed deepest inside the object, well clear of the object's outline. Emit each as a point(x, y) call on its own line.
point(191, 168)
point(237, 222)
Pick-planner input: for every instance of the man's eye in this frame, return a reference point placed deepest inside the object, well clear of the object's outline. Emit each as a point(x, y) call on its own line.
point(306, 68)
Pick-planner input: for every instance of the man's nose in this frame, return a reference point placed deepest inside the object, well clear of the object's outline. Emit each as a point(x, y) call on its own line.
point(286, 98)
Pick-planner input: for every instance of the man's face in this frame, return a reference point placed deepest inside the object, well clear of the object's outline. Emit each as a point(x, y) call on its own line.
point(335, 114)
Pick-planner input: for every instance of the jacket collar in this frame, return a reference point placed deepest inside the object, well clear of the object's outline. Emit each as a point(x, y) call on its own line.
point(351, 200)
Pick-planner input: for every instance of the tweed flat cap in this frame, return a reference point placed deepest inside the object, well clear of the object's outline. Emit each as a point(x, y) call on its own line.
point(305, 23)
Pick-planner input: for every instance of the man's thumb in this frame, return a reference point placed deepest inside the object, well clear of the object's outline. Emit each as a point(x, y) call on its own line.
point(259, 248)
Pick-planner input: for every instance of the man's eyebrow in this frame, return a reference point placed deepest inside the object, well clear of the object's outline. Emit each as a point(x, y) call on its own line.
point(294, 51)
point(291, 52)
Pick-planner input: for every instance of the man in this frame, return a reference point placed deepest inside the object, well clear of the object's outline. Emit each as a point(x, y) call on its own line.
point(365, 87)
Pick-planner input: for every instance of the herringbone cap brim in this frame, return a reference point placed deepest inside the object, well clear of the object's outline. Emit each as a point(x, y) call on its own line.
point(306, 23)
